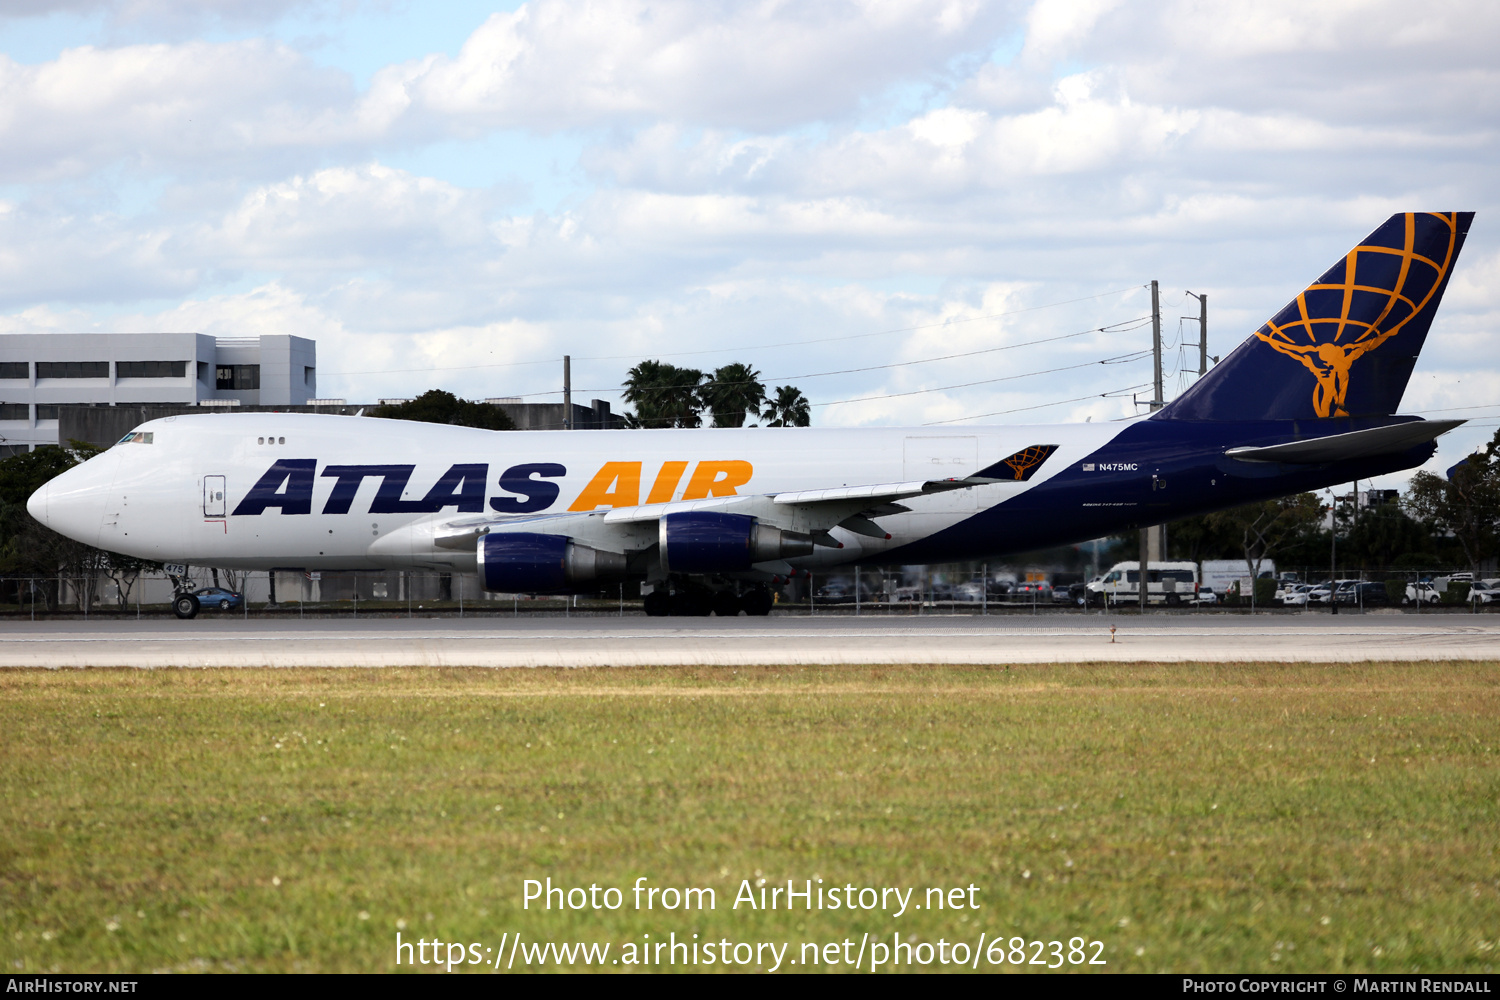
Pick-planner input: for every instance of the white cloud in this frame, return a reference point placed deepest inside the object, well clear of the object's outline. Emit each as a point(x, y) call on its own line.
point(160, 107)
point(757, 174)
point(764, 65)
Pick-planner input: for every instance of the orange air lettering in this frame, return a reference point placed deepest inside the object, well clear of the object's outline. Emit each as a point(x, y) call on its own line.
point(666, 482)
point(717, 479)
point(618, 484)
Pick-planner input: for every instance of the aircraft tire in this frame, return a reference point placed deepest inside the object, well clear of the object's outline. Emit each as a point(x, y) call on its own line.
point(725, 604)
point(658, 604)
point(690, 605)
point(185, 606)
point(756, 603)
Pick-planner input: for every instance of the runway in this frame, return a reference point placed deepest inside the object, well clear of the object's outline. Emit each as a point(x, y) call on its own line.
point(822, 640)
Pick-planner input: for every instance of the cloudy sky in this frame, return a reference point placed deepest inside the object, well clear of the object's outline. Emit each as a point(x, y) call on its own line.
point(843, 194)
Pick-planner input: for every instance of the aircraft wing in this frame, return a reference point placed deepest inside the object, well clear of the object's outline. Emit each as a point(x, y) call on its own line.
point(625, 529)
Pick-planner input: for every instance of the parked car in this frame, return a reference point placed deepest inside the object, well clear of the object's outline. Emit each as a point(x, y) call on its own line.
point(1484, 592)
point(969, 593)
point(1320, 592)
point(1422, 593)
point(1034, 590)
point(835, 591)
point(1205, 595)
point(1295, 595)
point(1367, 594)
point(218, 597)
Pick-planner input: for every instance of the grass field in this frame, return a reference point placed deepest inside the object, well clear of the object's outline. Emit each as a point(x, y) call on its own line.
point(1189, 817)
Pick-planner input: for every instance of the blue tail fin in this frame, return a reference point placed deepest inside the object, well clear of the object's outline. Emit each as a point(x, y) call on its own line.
point(1347, 344)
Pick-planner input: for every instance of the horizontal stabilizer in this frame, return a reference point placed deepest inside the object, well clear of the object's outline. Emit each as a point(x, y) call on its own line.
point(1343, 447)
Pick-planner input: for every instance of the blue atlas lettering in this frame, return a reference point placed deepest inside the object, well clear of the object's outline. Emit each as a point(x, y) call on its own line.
point(287, 484)
point(348, 478)
point(462, 486)
point(539, 495)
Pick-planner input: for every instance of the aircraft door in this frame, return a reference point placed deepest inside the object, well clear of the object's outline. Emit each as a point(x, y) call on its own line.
point(943, 457)
point(213, 496)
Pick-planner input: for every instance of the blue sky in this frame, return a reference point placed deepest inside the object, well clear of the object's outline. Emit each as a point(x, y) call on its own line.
point(456, 195)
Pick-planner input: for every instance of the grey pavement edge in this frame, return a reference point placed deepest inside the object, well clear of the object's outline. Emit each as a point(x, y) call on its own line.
point(637, 641)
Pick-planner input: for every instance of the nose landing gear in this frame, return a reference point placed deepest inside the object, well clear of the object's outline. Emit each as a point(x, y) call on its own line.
point(184, 601)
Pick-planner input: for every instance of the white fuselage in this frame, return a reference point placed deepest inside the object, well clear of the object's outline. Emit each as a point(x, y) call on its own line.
point(158, 500)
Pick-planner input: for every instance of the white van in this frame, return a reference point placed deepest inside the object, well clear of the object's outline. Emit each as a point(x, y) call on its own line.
point(1171, 583)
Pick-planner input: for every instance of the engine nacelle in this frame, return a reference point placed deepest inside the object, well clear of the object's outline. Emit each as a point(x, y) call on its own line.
point(710, 542)
point(528, 562)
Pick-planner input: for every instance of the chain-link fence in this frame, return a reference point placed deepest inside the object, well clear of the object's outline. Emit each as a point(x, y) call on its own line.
point(976, 590)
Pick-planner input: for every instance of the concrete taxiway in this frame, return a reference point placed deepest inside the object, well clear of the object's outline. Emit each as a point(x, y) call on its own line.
point(640, 641)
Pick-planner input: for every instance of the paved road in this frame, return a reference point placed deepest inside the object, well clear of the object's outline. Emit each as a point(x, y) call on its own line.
point(638, 641)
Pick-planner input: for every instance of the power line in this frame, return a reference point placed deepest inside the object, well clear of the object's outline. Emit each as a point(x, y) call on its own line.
point(1122, 359)
point(1041, 406)
point(1124, 326)
point(742, 349)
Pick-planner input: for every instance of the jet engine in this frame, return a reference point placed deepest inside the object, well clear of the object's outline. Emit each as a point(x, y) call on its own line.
point(526, 562)
point(710, 542)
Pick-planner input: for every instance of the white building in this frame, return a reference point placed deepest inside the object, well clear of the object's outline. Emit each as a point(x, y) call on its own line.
point(41, 371)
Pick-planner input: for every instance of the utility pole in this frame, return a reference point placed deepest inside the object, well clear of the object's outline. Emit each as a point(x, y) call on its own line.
point(1157, 402)
point(567, 392)
point(1333, 554)
point(1153, 537)
point(1202, 332)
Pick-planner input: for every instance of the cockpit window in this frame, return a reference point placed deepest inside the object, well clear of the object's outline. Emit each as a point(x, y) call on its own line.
point(139, 437)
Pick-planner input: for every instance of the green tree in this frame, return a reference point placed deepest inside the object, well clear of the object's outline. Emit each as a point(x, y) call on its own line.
point(1264, 526)
point(664, 395)
point(788, 408)
point(1382, 535)
point(732, 391)
point(438, 407)
point(125, 571)
point(1466, 503)
point(1196, 539)
point(26, 545)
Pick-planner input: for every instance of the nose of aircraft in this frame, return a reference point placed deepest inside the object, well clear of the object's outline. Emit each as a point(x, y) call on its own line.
point(72, 504)
point(36, 506)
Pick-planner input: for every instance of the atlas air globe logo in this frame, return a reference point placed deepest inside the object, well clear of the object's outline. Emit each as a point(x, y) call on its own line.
point(1364, 301)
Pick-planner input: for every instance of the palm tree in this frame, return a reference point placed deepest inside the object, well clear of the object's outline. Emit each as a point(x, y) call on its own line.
point(664, 395)
point(734, 389)
point(789, 409)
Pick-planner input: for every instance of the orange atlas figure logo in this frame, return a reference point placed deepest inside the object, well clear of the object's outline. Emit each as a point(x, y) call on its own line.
point(1361, 303)
point(1026, 461)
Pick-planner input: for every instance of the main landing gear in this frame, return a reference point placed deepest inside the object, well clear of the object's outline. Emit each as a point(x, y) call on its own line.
point(694, 602)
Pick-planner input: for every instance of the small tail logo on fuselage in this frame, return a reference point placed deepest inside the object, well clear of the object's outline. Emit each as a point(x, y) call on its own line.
point(1021, 466)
